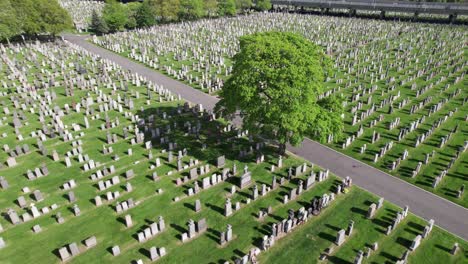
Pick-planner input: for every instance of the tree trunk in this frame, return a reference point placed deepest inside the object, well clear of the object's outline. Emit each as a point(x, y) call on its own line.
point(282, 148)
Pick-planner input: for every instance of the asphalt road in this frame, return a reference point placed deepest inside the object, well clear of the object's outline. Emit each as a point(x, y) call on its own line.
point(446, 214)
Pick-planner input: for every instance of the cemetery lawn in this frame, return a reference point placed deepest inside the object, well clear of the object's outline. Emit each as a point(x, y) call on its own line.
point(376, 64)
point(61, 80)
point(307, 243)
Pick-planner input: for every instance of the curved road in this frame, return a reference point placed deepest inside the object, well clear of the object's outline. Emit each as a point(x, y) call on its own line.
point(446, 214)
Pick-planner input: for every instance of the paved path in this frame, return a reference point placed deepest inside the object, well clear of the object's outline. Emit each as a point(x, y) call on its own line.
point(446, 214)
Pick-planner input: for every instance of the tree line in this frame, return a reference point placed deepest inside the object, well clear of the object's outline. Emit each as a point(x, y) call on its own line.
point(31, 18)
point(117, 16)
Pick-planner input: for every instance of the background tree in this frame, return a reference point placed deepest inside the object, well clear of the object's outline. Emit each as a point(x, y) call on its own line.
point(211, 7)
point(191, 9)
point(98, 25)
point(132, 9)
point(29, 18)
point(275, 84)
point(115, 15)
point(263, 5)
point(243, 5)
point(55, 19)
point(9, 25)
point(227, 7)
point(145, 17)
point(41, 17)
point(165, 10)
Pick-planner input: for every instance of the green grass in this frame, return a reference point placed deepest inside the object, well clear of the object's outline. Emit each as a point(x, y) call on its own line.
point(23, 246)
point(310, 240)
point(409, 52)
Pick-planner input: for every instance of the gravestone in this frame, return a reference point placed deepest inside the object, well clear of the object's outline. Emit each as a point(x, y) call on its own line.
point(229, 233)
point(37, 195)
point(349, 231)
point(64, 254)
point(191, 228)
point(415, 243)
point(74, 249)
point(128, 221)
point(454, 249)
point(359, 257)
point(220, 161)
point(227, 207)
point(201, 225)
point(197, 206)
point(115, 251)
point(36, 228)
point(340, 237)
point(245, 179)
point(90, 242)
point(371, 211)
point(153, 254)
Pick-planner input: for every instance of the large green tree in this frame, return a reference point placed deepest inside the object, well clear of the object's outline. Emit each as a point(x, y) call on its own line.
point(243, 5)
point(9, 24)
point(227, 7)
point(165, 10)
point(115, 15)
point(275, 86)
point(211, 7)
point(263, 5)
point(146, 15)
point(132, 10)
point(41, 17)
point(55, 18)
point(29, 17)
point(98, 25)
point(191, 9)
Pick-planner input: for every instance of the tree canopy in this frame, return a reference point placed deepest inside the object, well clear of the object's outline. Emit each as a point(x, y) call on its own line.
point(55, 19)
point(211, 7)
point(191, 9)
point(32, 17)
point(275, 85)
point(115, 15)
point(144, 16)
point(9, 26)
point(98, 25)
point(263, 5)
point(243, 5)
point(227, 7)
point(165, 10)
